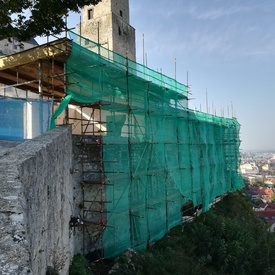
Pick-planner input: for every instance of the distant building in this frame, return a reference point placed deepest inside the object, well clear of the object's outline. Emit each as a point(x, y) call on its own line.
point(264, 193)
point(271, 164)
point(268, 214)
point(10, 46)
point(270, 180)
point(249, 168)
point(13, 45)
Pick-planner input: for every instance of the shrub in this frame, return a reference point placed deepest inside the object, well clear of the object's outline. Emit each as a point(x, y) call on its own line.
point(79, 266)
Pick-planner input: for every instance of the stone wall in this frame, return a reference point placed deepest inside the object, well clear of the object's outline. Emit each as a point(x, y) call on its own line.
point(124, 38)
point(110, 26)
point(36, 201)
point(121, 9)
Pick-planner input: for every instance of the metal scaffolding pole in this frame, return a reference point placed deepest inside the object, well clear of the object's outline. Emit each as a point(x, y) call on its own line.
point(40, 80)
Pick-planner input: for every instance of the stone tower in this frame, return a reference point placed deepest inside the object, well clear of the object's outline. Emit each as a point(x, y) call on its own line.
point(108, 23)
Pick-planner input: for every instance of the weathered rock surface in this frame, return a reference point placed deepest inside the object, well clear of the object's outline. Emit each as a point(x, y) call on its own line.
point(35, 204)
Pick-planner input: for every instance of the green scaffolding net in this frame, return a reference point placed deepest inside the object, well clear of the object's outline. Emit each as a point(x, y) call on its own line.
point(157, 153)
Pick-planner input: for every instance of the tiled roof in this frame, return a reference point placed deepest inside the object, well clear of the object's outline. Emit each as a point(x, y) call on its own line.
point(268, 215)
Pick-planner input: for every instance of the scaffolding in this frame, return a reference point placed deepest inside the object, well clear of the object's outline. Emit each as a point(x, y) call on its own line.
point(155, 153)
point(32, 82)
point(143, 152)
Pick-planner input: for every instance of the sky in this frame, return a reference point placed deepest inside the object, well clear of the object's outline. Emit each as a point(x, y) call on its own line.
point(228, 50)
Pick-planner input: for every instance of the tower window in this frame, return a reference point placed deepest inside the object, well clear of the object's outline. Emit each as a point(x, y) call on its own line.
point(120, 12)
point(90, 14)
point(119, 30)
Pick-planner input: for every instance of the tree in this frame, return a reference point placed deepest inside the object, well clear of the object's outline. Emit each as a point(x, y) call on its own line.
point(29, 18)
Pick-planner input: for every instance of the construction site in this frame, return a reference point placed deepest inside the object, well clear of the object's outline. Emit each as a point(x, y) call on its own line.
point(132, 156)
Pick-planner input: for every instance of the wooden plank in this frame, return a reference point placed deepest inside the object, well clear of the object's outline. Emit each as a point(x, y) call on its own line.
point(45, 51)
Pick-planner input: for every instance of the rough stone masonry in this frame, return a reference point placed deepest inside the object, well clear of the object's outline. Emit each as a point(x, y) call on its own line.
point(36, 205)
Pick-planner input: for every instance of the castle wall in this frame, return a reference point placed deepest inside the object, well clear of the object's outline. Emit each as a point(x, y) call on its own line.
point(101, 26)
point(121, 9)
point(99, 10)
point(124, 41)
point(118, 7)
point(36, 203)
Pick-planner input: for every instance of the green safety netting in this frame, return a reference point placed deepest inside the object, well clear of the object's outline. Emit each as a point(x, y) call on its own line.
point(157, 153)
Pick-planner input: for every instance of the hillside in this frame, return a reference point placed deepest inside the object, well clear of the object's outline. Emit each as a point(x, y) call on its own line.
point(229, 239)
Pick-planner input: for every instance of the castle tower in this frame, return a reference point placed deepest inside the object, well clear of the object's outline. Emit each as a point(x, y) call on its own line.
point(108, 23)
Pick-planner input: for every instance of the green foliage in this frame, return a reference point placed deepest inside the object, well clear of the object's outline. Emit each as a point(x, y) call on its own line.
point(229, 239)
point(79, 266)
point(29, 18)
point(258, 182)
point(233, 239)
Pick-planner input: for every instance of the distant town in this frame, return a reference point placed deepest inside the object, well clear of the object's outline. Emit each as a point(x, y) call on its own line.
point(258, 171)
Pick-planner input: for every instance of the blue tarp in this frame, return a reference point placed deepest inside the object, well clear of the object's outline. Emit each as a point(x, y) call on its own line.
point(23, 119)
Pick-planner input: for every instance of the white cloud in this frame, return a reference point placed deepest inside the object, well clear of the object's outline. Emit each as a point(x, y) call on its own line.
point(216, 13)
point(212, 32)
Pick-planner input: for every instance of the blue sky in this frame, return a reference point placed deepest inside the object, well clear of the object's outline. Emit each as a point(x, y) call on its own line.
point(228, 49)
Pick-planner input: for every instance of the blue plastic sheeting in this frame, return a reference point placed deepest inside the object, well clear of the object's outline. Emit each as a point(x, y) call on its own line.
point(23, 119)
